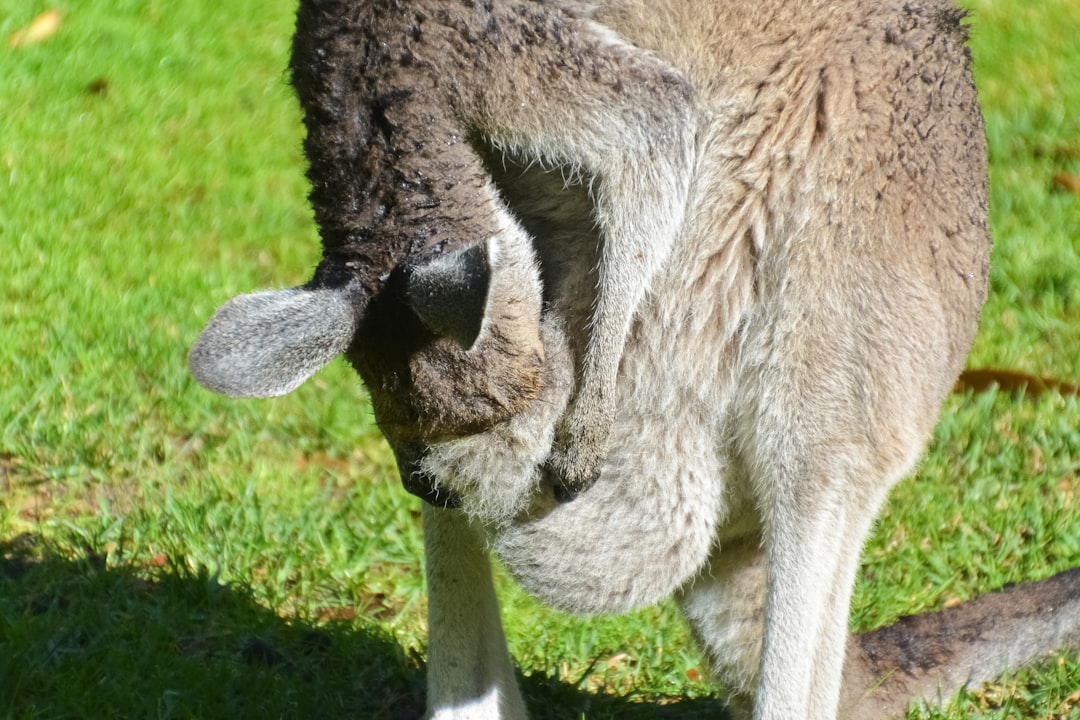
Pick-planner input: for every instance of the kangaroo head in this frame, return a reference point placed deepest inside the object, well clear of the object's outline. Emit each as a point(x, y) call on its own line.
point(427, 285)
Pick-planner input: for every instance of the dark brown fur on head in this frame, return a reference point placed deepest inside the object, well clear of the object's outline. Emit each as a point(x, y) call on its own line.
point(425, 387)
point(396, 182)
point(390, 167)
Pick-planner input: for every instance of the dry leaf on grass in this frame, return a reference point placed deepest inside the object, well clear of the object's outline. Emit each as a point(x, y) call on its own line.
point(1067, 182)
point(40, 28)
point(982, 379)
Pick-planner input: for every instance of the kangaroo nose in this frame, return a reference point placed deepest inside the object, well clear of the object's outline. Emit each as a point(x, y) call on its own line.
point(419, 483)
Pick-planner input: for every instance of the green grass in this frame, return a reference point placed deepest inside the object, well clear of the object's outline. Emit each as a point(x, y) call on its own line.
point(168, 553)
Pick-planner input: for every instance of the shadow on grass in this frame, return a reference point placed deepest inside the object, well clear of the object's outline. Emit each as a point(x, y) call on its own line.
point(79, 640)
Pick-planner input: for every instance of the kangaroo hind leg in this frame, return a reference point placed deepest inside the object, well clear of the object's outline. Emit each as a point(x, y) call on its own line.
point(470, 674)
point(828, 424)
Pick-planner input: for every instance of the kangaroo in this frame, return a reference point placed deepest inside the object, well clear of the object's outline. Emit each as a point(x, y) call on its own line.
point(650, 299)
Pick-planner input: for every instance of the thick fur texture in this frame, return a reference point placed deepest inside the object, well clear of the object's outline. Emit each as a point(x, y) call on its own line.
point(711, 267)
point(396, 97)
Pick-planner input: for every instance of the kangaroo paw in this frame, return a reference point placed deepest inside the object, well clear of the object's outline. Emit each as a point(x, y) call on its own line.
point(581, 445)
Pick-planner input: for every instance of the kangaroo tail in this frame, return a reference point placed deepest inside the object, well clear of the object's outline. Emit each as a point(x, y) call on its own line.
point(935, 655)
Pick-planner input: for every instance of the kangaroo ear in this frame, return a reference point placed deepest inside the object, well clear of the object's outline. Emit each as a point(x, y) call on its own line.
point(449, 293)
point(268, 343)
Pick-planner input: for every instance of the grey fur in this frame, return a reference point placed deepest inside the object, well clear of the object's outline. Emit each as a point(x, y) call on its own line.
point(736, 256)
point(268, 343)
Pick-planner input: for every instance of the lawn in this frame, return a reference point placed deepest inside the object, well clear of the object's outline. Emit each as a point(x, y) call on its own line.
point(168, 553)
